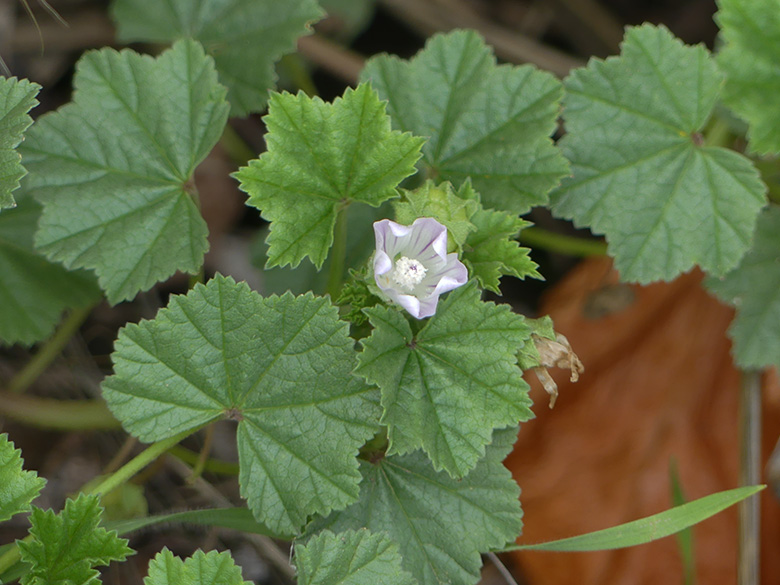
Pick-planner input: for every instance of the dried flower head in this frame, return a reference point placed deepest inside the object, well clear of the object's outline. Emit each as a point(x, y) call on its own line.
point(411, 264)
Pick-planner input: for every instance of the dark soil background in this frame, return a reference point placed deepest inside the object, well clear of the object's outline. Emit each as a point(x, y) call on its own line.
point(555, 34)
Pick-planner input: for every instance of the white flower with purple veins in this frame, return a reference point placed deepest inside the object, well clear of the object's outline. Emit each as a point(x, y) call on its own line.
point(411, 264)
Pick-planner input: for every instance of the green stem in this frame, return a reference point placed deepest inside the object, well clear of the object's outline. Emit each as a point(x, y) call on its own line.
point(211, 465)
point(48, 351)
point(57, 415)
point(718, 133)
point(338, 256)
point(749, 546)
point(129, 469)
point(299, 74)
point(235, 147)
point(121, 476)
point(540, 238)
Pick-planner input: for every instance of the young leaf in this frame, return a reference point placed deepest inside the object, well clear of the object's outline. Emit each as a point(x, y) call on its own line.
point(454, 210)
point(280, 366)
point(33, 291)
point(641, 175)
point(491, 123)
point(211, 568)
point(320, 158)
point(245, 37)
point(447, 387)
point(18, 488)
point(440, 524)
point(17, 97)
point(650, 528)
point(749, 57)
point(354, 557)
point(113, 169)
point(753, 288)
point(492, 251)
point(66, 547)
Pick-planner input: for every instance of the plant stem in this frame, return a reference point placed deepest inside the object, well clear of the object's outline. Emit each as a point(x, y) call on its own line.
point(540, 238)
point(57, 415)
point(121, 476)
point(210, 465)
point(750, 474)
point(197, 471)
point(129, 469)
point(235, 147)
point(48, 351)
point(718, 133)
point(298, 73)
point(338, 256)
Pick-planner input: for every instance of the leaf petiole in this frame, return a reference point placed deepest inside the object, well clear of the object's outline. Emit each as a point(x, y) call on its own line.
point(48, 351)
point(338, 255)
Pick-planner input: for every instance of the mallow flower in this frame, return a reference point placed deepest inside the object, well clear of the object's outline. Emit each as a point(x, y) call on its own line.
point(411, 264)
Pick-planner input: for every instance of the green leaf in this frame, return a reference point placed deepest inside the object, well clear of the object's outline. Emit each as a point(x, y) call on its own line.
point(641, 175)
point(491, 123)
point(307, 277)
point(211, 568)
point(650, 528)
point(113, 169)
point(448, 386)
point(754, 288)
point(66, 547)
point(440, 524)
point(33, 291)
point(17, 97)
point(245, 37)
point(322, 157)
point(453, 210)
point(749, 57)
point(492, 250)
point(18, 488)
point(350, 558)
point(279, 366)
point(240, 519)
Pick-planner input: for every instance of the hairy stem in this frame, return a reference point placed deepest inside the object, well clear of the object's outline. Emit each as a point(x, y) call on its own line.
point(48, 351)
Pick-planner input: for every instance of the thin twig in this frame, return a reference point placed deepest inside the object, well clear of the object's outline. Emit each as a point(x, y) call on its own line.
point(750, 474)
point(593, 20)
point(337, 60)
point(265, 545)
point(501, 568)
point(429, 16)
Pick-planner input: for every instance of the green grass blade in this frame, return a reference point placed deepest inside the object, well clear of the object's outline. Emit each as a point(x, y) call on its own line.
point(650, 528)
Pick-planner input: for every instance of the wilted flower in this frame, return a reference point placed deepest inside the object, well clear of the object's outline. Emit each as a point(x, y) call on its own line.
point(411, 264)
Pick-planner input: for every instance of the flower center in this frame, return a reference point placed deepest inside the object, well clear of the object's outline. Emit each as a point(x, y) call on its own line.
point(408, 273)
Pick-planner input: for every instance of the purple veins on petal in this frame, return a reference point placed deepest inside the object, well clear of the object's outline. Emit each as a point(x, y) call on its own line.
point(412, 267)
